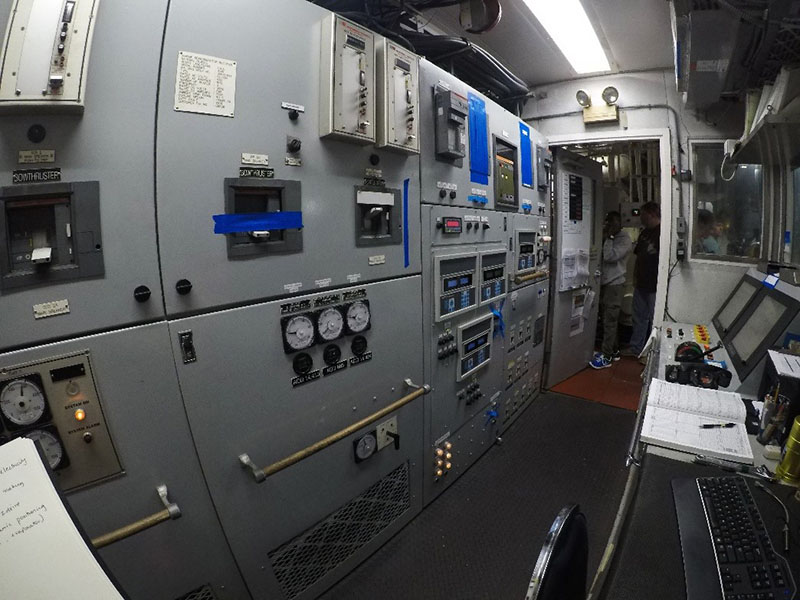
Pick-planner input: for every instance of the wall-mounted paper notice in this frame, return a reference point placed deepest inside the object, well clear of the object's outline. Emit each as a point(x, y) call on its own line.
point(43, 554)
point(205, 84)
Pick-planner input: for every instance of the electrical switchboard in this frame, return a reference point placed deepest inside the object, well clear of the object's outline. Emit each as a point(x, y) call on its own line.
point(306, 368)
point(78, 251)
point(250, 215)
point(76, 397)
point(45, 58)
point(532, 240)
point(398, 97)
point(464, 288)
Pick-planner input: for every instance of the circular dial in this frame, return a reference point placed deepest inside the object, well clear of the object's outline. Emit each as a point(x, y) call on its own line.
point(52, 447)
point(330, 324)
point(358, 316)
point(359, 345)
point(302, 363)
point(22, 402)
point(365, 447)
point(299, 332)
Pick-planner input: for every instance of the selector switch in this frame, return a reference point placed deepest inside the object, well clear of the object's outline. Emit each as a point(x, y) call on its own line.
point(452, 194)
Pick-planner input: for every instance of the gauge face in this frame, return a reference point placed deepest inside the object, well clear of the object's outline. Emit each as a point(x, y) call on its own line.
point(53, 450)
point(22, 402)
point(299, 332)
point(330, 324)
point(358, 316)
point(365, 447)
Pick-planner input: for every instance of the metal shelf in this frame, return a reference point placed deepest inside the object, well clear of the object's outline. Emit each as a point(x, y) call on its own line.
point(775, 140)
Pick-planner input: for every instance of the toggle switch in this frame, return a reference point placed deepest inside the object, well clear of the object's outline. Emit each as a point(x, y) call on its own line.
point(42, 255)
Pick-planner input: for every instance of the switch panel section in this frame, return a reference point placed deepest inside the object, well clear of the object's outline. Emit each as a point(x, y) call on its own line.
point(347, 81)
point(493, 271)
point(398, 98)
point(544, 166)
point(378, 218)
point(451, 111)
point(506, 173)
point(456, 279)
point(49, 233)
point(45, 55)
point(265, 201)
point(56, 403)
point(532, 241)
point(474, 345)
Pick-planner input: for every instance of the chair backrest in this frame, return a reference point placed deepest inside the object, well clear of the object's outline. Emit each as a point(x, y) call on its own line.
point(560, 571)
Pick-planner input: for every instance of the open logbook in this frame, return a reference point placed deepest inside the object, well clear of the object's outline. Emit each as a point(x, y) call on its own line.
point(42, 552)
point(675, 416)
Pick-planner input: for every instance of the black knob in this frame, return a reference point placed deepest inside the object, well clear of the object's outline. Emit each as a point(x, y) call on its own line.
point(442, 193)
point(302, 363)
point(439, 224)
point(374, 159)
point(331, 354)
point(36, 133)
point(293, 114)
point(183, 287)
point(452, 194)
point(294, 145)
point(359, 345)
point(486, 226)
point(142, 293)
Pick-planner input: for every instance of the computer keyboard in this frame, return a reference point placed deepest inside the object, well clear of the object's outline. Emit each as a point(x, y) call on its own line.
point(727, 552)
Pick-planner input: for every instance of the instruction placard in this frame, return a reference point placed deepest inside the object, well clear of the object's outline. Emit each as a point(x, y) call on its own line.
point(205, 85)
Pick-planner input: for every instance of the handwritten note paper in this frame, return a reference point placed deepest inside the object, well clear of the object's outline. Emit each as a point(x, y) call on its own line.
point(42, 553)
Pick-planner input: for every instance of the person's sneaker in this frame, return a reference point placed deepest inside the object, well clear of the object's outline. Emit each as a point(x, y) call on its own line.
point(600, 362)
point(616, 356)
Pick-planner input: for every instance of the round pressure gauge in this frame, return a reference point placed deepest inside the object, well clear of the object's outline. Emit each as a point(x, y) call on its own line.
point(22, 402)
point(365, 446)
point(299, 332)
point(53, 450)
point(358, 316)
point(330, 324)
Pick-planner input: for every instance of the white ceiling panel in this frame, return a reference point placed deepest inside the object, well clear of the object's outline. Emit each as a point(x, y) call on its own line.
point(637, 35)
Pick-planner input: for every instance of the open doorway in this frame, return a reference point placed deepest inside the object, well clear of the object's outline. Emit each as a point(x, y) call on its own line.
point(632, 179)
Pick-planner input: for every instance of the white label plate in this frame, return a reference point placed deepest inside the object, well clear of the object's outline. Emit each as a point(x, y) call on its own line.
point(377, 260)
point(323, 282)
point(205, 85)
point(354, 277)
point(249, 158)
point(293, 287)
point(32, 157)
point(50, 309)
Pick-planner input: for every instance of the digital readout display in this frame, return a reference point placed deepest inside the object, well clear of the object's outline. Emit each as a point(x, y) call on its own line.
point(526, 248)
point(452, 225)
point(456, 282)
point(476, 343)
point(493, 273)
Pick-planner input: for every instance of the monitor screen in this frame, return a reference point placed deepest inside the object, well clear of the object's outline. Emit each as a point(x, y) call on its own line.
point(757, 327)
point(735, 304)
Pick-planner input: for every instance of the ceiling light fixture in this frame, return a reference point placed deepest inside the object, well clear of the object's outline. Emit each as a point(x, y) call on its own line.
point(610, 95)
point(567, 23)
point(583, 99)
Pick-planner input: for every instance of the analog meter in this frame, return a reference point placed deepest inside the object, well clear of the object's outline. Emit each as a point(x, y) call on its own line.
point(51, 445)
point(330, 324)
point(298, 333)
point(22, 402)
point(358, 316)
point(365, 446)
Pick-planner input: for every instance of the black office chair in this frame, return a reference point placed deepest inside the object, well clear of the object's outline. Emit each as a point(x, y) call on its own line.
point(560, 571)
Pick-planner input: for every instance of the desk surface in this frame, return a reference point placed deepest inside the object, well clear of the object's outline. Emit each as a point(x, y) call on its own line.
point(648, 563)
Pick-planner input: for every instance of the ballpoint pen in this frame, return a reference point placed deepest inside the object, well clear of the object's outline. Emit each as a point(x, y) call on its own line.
point(717, 425)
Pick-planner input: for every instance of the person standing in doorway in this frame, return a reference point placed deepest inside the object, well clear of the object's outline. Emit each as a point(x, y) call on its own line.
point(645, 276)
point(616, 248)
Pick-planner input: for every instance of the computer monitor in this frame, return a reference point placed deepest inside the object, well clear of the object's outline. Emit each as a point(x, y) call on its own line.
point(734, 306)
point(759, 328)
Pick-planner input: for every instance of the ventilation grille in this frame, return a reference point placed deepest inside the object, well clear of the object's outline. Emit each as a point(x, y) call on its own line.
point(201, 593)
point(301, 562)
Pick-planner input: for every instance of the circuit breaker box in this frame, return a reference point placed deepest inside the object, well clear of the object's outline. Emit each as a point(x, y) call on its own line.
point(347, 81)
point(45, 55)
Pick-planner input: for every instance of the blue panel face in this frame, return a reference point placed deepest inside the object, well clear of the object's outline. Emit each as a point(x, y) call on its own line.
point(478, 141)
point(526, 155)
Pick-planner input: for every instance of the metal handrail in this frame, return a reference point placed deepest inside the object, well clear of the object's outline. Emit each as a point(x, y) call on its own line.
point(171, 511)
point(260, 475)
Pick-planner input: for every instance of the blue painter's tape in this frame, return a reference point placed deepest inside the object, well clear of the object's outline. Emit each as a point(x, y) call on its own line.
point(478, 141)
point(770, 281)
point(526, 154)
point(501, 324)
point(478, 199)
point(406, 261)
point(257, 222)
